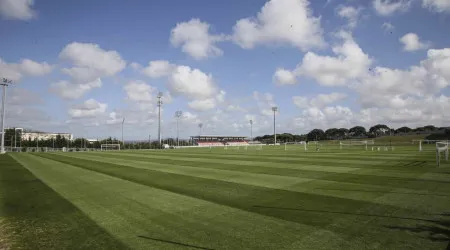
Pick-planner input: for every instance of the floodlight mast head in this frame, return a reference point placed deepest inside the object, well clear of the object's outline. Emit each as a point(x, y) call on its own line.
point(5, 82)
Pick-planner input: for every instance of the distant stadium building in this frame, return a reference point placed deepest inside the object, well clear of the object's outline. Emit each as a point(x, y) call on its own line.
point(213, 140)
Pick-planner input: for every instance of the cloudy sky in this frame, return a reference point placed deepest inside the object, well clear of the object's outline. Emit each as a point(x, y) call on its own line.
point(82, 66)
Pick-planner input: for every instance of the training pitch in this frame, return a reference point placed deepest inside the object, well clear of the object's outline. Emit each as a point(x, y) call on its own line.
point(203, 198)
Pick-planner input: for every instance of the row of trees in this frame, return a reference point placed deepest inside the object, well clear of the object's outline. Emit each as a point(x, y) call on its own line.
point(343, 133)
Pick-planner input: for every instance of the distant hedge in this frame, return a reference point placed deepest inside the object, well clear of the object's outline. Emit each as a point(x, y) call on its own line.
point(445, 136)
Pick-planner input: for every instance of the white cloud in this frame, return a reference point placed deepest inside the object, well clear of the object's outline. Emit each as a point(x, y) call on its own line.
point(284, 77)
point(139, 91)
point(318, 101)
point(387, 26)
point(350, 63)
point(21, 97)
point(114, 118)
point(158, 68)
point(195, 40)
point(411, 42)
point(389, 7)
point(202, 105)
point(437, 5)
point(191, 83)
point(264, 102)
point(350, 13)
point(280, 22)
point(91, 61)
point(207, 104)
point(26, 67)
point(72, 91)
point(90, 108)
point(33, 68)
point(136, 66)
point(396, 88)
point(17, 9)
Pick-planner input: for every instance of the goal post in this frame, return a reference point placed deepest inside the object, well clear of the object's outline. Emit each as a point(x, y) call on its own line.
point(295, 145)
point(355, 143)
point(106, 147)
point(441, 148)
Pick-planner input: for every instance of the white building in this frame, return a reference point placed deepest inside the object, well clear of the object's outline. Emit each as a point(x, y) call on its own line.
point(45, 135)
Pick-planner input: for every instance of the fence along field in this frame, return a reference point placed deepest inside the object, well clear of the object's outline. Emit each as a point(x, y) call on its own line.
point(212, 198)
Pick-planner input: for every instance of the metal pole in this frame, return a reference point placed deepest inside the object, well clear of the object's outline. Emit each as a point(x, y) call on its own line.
point(2, 149)
point(178, 115)
point(123, 143)
point(159, 103)
point(251, 130)
point(15, 139)
point(274, 109)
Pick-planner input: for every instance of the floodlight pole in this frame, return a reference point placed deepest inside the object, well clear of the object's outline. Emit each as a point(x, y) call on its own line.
point(274, 109)
point(178, 115)
point(159, 103)
point(123, 143)
point(251, 130)
point(200, 125)
point(4, 83)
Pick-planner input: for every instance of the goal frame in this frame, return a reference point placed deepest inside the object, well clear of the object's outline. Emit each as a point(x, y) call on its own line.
point(104, 147)
point(441, 147)
point(295, 143)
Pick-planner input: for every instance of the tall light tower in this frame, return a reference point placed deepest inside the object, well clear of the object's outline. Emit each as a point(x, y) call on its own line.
point(178, 114)
point(251, 130)
point(4, 83)
point(159, 104)
point(200, 126)
point(123, 143)
point(274, 109)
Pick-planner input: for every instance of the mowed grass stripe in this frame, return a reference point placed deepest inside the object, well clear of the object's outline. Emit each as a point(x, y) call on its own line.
point(292, 154)
point(388, 179)
point(342, 162)
point(361, 192)
point(33, 216)
point(235, 195)
point(391, 163)
point(312, 164)
point(129, 210)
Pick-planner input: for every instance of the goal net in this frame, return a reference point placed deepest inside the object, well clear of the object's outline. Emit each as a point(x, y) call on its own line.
point(441, 149)
point(295, 146)
point(427, 145)
point(356, 144)
point(105, 147)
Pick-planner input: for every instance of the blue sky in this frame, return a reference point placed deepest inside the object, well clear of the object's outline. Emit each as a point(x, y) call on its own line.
point(323, 63)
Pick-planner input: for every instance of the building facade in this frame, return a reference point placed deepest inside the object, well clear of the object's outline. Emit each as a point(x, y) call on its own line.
point(45, 136)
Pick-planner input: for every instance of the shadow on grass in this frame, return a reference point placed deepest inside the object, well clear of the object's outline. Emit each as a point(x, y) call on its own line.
point(437, 230)
point(343, 213)
point(174, 243)
point(385, 191)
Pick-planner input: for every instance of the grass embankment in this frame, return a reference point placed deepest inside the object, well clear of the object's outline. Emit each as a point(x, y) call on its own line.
point(33, 216)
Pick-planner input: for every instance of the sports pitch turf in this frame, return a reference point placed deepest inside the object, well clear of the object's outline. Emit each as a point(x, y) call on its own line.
point(226, 199)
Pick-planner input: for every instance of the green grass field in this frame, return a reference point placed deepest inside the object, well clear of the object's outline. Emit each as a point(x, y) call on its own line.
point(226, 199)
